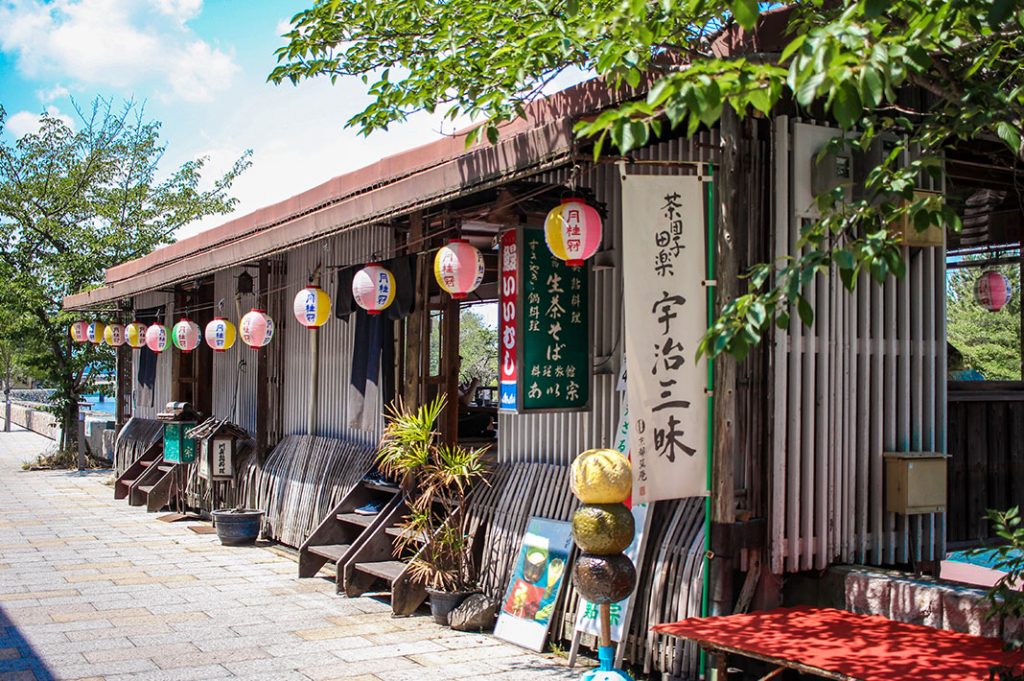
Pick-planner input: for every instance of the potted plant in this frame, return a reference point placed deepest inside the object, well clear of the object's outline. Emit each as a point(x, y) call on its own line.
point(437, 479)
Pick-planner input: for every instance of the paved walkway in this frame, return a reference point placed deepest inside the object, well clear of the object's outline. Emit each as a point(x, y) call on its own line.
point(91, 588)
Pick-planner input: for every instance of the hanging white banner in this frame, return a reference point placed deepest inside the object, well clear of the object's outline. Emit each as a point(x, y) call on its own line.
point(663, 269)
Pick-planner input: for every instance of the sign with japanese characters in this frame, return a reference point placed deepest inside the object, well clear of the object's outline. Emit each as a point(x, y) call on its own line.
point(587, 613)
point(508, 329)
point(554, 334)
point(663, 272)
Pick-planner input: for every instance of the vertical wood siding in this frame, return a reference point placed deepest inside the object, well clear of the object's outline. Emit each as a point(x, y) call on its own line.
point(867, 378)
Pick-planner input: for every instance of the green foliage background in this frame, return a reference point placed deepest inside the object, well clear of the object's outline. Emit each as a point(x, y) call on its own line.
point(988, 341)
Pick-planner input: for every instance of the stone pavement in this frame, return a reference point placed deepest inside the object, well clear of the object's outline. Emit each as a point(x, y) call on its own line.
point(91, 588)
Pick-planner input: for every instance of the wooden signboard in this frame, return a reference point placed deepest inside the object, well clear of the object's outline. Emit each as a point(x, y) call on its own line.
point(553, 339)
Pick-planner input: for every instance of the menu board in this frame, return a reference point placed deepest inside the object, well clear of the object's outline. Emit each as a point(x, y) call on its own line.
point(554, 329)
point(532, 593)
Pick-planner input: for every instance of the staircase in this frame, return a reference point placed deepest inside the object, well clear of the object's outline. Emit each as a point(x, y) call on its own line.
point(156, 486)
point(343, 530)
point(123, 484)
point(362, 548)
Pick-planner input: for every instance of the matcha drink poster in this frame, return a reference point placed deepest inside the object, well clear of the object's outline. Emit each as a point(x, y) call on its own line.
point(536, 583)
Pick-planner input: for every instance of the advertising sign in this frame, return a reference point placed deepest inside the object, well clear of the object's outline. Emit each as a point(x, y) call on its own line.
point(554, 329)
point(663, 272)
point(508, 356)
point(529, 602)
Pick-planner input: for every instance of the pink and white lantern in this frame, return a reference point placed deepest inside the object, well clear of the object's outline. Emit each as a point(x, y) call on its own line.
point(220, 334)
point(573, 231)
point(312, 307)
point(114, 335)
point(373, 288)
point(156, 338)
point(459, 268)
point(80, 331)
point(185, 335)
point(992, 290)
point(256, 328)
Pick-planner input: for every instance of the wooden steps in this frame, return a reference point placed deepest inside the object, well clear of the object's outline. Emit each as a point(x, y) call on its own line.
point(131, 476)
point(332, 552)
point(388, 570)
point(155, 486)
point(343, 530)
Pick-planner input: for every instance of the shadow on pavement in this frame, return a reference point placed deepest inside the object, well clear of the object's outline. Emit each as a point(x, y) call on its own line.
point(18, 660)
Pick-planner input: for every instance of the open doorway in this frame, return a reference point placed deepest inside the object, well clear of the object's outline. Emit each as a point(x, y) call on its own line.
point(478, 372)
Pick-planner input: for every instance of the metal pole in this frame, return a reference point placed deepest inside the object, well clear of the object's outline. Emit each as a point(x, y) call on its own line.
point(314, 380)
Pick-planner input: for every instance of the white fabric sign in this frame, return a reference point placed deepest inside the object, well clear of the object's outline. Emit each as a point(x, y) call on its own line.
point(663, 269)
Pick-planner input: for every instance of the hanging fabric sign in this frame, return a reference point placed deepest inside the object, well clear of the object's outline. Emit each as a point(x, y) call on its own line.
point(508, 348)
point(663, 266)
point(553, 329)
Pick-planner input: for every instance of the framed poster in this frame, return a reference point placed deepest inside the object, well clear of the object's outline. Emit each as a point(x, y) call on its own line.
point(553, 338)
point(525, 615)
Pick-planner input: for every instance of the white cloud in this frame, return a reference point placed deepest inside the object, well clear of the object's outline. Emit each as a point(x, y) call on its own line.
point(115, 43)
point(53, 94)
point(25, 122)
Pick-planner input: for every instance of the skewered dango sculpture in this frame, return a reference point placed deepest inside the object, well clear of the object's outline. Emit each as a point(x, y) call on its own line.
point(603, 528)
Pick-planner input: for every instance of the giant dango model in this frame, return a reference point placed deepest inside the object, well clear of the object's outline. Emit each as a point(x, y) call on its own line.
point(603, 528)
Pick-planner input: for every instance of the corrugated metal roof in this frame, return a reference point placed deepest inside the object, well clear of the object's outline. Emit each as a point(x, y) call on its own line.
point(394, 185)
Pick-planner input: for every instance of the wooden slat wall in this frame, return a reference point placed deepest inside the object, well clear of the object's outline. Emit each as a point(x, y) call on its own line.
point(986, 465)
point(867, 378)
point(135, 438)
point(301, 481)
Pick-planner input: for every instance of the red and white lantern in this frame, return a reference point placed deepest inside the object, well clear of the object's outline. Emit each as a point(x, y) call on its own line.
point(135, 334)
point(220, 334)
point(373, 288)
point(156, 338)
point(459, 268)
point(573, 231)
point(94, 332)
point(312, 307)
point(80, 331)
point(256, 328)
point(185, 335)
point(114, 335)
point(992, 290)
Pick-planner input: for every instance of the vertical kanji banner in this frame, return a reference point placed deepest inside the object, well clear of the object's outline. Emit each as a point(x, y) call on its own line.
point(663, 268)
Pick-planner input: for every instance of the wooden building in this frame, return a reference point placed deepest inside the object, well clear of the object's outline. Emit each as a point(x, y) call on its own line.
point(800, 428)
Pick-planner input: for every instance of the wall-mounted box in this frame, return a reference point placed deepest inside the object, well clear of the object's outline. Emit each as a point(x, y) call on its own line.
point(915, 482)
point(930, 237)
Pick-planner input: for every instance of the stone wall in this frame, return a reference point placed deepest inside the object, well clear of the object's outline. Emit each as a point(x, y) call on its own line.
point(31, 416)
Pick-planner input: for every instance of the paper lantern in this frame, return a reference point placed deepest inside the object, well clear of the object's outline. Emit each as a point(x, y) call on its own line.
point(94, 332)
point(80, 331)
point(312, 307)
point(135, 334)
point(185, 335)
point(256, 328)
point(573, 231)
point(459, 268)
point(373, 288)
point(220, 334)
point(114, 335)
point(992, 290)
point(156, 338)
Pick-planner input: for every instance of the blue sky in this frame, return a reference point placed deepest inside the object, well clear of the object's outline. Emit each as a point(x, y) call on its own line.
point(201, 68)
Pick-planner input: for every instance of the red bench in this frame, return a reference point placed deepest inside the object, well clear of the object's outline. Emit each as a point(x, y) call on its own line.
point(835, 644)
